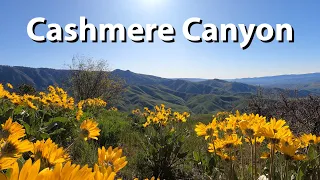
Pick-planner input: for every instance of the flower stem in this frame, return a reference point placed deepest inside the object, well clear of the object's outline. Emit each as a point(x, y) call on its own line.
point(252, 159)
point(271, 161)
point(242, 164)
point(255, 158)
point(286, 169)
point(231, 165)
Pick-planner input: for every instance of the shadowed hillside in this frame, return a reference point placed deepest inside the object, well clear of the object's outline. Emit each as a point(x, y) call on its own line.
point(40, 78)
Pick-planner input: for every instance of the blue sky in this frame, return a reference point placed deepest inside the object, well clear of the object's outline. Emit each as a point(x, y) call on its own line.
point(179, 59)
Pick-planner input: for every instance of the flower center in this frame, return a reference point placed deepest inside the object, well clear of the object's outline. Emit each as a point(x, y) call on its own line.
point(249, 132)
point(9, 149)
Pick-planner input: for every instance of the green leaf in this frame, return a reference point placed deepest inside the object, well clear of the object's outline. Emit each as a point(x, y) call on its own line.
point(26, 126)
point(312, 153)
point(8, 113)
point(8, 173)
point(21, 162)
point(56, 119)
point(301, 170)
point(212, 162)
point(196, 156)
point(300, 175)
point(44, 135)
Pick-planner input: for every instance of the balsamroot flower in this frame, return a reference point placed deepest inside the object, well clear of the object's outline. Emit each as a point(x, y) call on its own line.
point(111, 158)
point(28, 171)
point(207, 131)
point(49, 153)
point(290, 148)
point(6, 162)
point(105, 174)
point(307, 139)
point(275, 130)
point(232, 141)
point(13, 129)
point(89, 130)
point(68, 171)
point(250, 125)
point(13, 147)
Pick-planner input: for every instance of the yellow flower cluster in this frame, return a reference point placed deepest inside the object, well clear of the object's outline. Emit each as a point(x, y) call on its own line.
point(162, 116)
point(26, 100)
point(136, 112)
point(57, 97)
point(3, 92)
point(96, 102)
point(113, 109)
point(32, 171)
point(49, 161)
point(221, 115)
point(253, 129)
point(181, 117)
point(52, 162)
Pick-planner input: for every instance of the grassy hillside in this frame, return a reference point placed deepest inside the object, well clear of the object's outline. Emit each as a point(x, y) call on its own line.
point(205, 96)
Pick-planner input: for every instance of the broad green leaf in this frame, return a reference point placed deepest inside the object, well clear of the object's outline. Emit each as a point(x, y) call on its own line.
point(56, 119)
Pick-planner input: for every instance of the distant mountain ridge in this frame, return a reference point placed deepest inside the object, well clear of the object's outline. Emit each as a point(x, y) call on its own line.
point(204, 96)
point(310, 82)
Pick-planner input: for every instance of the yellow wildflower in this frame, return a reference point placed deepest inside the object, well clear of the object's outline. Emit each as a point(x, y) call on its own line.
point(13, 129)
point(28, 171)
point(13, 147)
point(89, 130)
point(49, 153)
point(111, 158)
point(307, 139)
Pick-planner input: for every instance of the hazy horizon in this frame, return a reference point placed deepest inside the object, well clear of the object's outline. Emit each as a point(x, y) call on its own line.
point(174, 77)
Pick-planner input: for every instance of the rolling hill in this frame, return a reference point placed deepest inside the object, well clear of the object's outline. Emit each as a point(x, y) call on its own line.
point(40, 78)
point(205, 96)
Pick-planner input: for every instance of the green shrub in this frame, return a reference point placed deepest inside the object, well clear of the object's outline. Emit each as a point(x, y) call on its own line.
point(112, 124)
point(162, 153)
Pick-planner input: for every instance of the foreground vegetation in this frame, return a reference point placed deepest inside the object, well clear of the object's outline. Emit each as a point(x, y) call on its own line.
point(49, 136)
